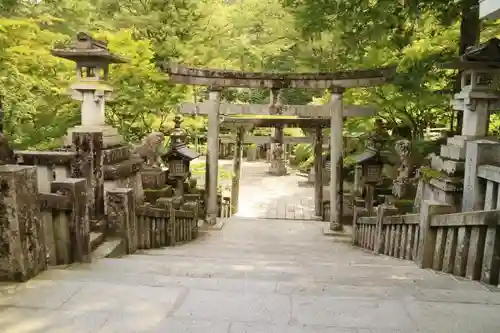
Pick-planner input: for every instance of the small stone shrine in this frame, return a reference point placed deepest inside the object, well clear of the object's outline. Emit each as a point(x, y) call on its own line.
point(178, 157)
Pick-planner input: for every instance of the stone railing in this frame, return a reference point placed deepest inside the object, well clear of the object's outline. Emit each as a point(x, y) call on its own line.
point(51, 165)
point(463, 244)
point(40, 228)
point(65, 225)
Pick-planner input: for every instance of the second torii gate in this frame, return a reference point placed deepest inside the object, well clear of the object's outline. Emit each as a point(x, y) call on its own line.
point(337, 82)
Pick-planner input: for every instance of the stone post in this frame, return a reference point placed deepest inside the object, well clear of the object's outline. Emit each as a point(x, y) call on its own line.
point(336, 126)
point(22, 248)
point(88, 164)
point(427, 235)
point(122, 217)
point(318, 169)
point(478, 153)
point(277, 167)
point(212, 166)
point(79, 224)
point(235, 183)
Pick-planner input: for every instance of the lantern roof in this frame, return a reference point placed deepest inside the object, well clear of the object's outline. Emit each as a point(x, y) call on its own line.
point(178, 148)
point(480, 57)
point(87, 49)
point(367, 156)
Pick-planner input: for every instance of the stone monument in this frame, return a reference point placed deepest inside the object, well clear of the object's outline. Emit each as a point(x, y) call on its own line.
point(92, 59)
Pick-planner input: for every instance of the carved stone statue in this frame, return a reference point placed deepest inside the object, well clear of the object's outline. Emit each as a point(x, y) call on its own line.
point(278, 152)
point(403, 149)
point(149, 149)
point(402, 186)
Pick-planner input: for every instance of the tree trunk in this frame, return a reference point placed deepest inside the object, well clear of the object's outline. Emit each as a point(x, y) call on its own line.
point(470, 28)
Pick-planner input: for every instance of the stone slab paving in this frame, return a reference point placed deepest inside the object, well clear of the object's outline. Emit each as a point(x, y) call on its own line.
point(253, 276)
point(265, 196)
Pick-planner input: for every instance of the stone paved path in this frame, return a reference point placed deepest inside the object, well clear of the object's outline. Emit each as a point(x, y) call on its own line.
point(254, 276)
point(266, 196)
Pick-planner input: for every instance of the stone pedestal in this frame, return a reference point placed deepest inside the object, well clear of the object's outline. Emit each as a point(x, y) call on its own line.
point(93, 95)
point(153, 178)
point(443, 181)
point(22, 250)
point(123, 170)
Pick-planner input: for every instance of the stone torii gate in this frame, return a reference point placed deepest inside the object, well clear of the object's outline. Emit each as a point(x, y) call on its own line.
point(337, 82)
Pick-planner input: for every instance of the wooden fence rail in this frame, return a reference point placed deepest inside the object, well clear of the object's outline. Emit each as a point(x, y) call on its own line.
point(158, 227)
point(463, 244)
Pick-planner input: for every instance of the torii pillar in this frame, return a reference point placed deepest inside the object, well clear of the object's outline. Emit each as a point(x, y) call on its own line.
point(212, 161)
point(277, 167)
point(336, 157)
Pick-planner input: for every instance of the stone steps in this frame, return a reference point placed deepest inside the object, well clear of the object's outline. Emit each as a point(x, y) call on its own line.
point(96, 239)
point(110, 248)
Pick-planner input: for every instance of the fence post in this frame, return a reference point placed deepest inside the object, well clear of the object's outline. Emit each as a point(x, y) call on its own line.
point(22, 248)
point(382, 212)
point(79, 224)
point(88, 164)
point(122, 217)
point(427, 235)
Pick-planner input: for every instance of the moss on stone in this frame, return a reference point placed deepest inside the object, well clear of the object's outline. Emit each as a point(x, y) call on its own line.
point(430, 173)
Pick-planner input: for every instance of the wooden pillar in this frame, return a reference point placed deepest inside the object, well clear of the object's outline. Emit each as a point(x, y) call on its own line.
point(213, 156)
point(336, 145)
point(235, 184)
point(318, 169)
point(358, 174)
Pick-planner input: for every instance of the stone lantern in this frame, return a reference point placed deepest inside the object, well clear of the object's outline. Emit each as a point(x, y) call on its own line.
point(179, 157)
point(371, 166)
point(92, 59)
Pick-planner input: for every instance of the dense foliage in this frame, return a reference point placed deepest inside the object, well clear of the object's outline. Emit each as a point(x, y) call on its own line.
point(252, 35)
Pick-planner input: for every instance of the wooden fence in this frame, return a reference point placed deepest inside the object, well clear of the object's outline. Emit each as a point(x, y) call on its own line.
point(396, 235)
point(159, 227)
point(463, 244)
